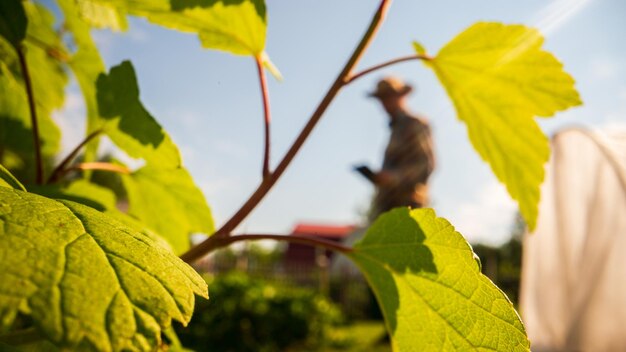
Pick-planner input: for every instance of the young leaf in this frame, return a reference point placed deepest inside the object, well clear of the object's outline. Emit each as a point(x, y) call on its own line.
point(419, 48)
point(430, 288)
point(12, 21)
point(499, 79)
point(88, 281)
point(269, 65)
point(8, 180)
point(168, 202)
point(130, 126)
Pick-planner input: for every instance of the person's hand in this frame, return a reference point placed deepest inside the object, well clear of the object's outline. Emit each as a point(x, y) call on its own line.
point(384, 178)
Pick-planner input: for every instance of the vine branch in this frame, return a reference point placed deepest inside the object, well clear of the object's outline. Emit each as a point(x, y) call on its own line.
point(268, 182)
point(59, 170)
point(97, 165)
point(358, 75)
point(266, 115)
point(214, 242)
point(33, 114)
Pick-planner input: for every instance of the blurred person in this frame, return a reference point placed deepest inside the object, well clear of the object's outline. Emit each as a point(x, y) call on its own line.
point(409, 159)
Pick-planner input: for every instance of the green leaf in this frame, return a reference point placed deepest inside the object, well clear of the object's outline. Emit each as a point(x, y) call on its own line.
point(44, 51)
point(430, 288)
point(499, 79)
point(235, 26)
point(79, 191)
point(155, 192)
point(163, 186)
point(88, 281)
point(130, 126)
point(419, 48)
point(100, 198)
point(87, 65)
point(8, 180)
point(12, 21)
point(100, 14)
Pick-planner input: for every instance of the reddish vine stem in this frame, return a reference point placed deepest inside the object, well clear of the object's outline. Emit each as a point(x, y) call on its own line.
point(214, 242)
point(268, 182)
point(56, 173)
point(33, 114)
point(97, 165)
point(266, 114)
point(358, 75)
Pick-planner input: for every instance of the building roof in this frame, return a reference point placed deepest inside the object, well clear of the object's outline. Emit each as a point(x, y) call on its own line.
point(327, 231)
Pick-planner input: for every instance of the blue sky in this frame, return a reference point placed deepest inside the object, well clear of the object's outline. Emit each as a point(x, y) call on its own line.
point(210, 103)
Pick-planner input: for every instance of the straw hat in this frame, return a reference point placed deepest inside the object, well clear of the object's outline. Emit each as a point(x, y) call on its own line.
point(389, 86)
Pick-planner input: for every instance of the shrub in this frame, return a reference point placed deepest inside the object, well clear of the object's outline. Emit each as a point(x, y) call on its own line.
point(249, 314)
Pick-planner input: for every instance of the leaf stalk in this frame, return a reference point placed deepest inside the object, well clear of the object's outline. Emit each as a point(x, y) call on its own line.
point(60, 169)
point(266, 114)
point(215, 242)
point(97, 165)
point(358, 75)
point(33, 114)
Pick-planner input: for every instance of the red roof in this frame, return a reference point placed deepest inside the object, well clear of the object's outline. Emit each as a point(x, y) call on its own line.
point(329, 231)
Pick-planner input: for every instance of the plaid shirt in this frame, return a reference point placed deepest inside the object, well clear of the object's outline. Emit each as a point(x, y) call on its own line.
point(409, 160)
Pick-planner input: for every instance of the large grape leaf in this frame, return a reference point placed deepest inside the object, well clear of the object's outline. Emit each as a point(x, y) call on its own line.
point(499, 79)
point(155, 191)
point(88, 281)
point(430, 288)
point(129, 125)
point(100, 198)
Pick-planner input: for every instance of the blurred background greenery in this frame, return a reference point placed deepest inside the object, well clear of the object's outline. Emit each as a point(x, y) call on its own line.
point(262, 302)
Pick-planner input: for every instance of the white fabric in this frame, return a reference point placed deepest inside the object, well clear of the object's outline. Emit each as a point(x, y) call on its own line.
point(573, 293)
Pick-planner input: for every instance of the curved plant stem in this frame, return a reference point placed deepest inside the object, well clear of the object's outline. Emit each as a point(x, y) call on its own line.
point(97, 165)
point(266, 115)
point(268, 182)
point(33, 114)
point(358, 75)
point(56, 173)
point(215, 242)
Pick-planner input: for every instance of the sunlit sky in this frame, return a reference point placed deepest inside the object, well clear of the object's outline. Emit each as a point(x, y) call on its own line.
point(210, 103)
